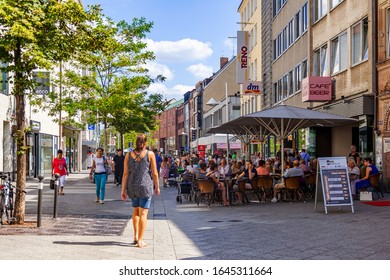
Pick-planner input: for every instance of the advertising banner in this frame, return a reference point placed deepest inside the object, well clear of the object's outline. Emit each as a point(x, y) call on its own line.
point(242, 56)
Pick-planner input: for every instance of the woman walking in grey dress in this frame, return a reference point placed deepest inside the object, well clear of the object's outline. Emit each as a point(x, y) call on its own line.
point(139, 176)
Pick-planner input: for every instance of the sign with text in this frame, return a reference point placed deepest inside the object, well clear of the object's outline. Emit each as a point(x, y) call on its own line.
point(252, 87)
point(202, 151)
point(316, 89)
point(335, 182)
point(42, 78)
point(242, 56)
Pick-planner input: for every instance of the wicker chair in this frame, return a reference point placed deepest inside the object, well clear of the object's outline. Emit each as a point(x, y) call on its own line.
point(292, 186)
point(374, 182)
point(205, 190)
point(265, 184)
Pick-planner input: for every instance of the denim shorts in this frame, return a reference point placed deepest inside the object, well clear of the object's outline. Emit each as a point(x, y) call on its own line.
point(141, 202)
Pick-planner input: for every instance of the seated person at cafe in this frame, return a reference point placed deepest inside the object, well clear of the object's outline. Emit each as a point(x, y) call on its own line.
point(262, 170)
point(224, 169)
point(295, 171)
point(354, 173)
point(248, 174)
point(213, 174)
point(235, 168)
point(306, 169)
point(370, 170)
point(201, 171)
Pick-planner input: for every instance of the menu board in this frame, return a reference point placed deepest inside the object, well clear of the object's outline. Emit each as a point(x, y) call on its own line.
point(335, 182)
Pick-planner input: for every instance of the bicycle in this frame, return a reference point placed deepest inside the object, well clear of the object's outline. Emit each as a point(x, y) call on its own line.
point(7, 199)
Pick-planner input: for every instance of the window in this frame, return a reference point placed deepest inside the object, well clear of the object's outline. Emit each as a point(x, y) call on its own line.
point(277, 5)
point(291, 32)
point(360, 41)
point(304, 18)
point(334, 3)
point(3, 80)
point(285, 86)
point(291, 82)
point(285, 39)
point(297, 78)
point(304, 69)
point(388, 32)
point(320, 9)
point(339, 55)
point(280, 44)
point(321, 61)
point(280, 90)
point(275, 49)
point(297, 25)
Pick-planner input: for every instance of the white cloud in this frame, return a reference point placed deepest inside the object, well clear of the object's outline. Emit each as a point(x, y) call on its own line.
point(200, 70)
point(180, 51)
point(176, 91)
point(229, 43)
point(156, 69)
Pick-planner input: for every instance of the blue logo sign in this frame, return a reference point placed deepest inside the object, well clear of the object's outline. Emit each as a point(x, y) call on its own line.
point(91, 127)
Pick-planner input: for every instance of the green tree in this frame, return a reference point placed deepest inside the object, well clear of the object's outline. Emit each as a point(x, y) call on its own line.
point(37, 34)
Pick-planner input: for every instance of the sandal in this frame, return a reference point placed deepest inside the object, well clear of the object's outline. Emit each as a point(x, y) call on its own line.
point(141, 244)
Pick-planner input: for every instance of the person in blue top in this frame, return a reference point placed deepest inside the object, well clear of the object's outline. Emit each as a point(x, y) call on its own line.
point(370, 170)
point(158, 160)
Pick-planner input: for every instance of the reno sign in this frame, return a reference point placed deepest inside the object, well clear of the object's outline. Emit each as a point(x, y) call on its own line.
point(316, 89)
point(242, 56)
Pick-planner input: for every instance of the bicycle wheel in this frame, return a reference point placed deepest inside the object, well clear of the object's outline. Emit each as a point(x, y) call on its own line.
point(9, 210)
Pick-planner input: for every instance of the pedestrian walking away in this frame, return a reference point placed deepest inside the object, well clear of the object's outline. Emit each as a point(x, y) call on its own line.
point(59, 167)
point(140, 176)
point(98, 170)
point(117, 167)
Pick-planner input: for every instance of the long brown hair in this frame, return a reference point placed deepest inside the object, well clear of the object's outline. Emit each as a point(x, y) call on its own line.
point(140, 142)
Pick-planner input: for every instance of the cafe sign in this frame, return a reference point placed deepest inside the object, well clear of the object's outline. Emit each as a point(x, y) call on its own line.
point(317, 89)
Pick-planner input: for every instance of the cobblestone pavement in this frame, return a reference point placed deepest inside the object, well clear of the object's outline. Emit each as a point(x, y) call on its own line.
point(275, 231)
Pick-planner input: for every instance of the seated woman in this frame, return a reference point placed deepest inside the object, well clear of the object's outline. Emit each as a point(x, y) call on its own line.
point(213, 174)
point(249, 173)
point(262, 169)
point(354, 173)
point(370, 170)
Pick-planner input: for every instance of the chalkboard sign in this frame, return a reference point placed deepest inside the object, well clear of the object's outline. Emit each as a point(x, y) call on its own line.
point(335, 182)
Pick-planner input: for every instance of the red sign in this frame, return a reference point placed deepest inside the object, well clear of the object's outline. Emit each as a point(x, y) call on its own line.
point(316, 89)
point(202, 151)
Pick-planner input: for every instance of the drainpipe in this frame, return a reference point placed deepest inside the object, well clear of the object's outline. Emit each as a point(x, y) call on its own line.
point(374, 28)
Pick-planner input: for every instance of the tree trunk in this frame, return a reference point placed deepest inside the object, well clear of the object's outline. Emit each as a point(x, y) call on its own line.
point(20, 199)
point(122, 139)
point(105, 136)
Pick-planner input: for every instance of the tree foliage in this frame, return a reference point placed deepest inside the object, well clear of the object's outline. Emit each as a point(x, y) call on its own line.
point(37, 34)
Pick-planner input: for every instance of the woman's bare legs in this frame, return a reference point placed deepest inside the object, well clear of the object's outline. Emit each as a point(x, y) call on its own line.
point(143, 219)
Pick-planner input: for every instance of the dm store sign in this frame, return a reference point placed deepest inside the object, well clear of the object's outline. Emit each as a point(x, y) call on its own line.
point(252, 88)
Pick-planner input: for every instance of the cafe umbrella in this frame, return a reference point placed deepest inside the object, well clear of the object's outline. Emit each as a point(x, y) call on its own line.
point(245, 132)
point(282, 120)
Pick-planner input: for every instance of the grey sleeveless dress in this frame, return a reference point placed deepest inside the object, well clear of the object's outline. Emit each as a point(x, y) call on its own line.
point(139, 183)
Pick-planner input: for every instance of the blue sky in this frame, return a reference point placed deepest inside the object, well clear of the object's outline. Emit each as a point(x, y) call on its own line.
point(188, 37)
